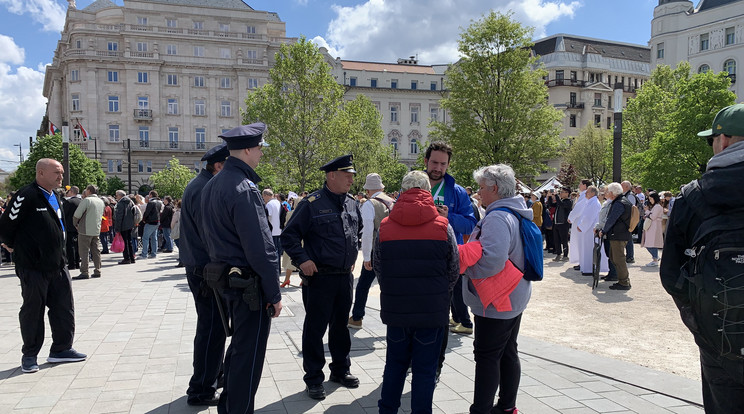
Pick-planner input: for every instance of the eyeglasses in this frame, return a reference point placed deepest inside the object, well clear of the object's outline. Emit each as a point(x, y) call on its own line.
point(713, 137)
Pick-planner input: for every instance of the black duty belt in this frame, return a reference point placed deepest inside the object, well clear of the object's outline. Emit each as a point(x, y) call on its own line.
point(329, 270)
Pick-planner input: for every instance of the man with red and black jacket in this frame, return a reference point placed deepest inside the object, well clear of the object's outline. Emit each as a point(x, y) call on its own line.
point(417, 265)
point(32, 229)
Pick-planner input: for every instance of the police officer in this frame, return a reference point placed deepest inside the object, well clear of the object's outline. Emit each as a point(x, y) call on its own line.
point(237, 234)
point(209, 341)
point(330, 224)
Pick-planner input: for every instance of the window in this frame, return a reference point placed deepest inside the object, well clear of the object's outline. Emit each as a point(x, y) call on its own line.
point(75, 102)
point(573, 76)
point(171, 23)
point(433, 86)
point(142, 21)
point(224, 27)
point(143, 77)
point(597, 120)
point(171, 80)
point(572, 100)
point(200, 107)
point(141, 47)
point(597, 99)
point(703, 68)
point(352, 81)
point(730, 66)
point(414, 146)
point(144, 166)
point(172, 106)
point(78, 44)
point(225, 83)
point(113, 133)
point(251, 29)
point(113, 46)
point(113, 104)
point(199, 81)
point(373, 83)
point(704, 42)
point(225, 53)
point(414, 84)
point(252, 83)
point(143, 102)
point(559, 77)
point(251, 54)
point(730, 39)
point(394, 143)
point(199, 51)
point(225, 109)
point(171, 50)
point(144, 137)
point(114, 166)
point(660, 51)
point(609, 122)
point(394, 113)
point(198, 25)
point(113, 76)
point(414, 114)
point(74, 75)
point(394, 83)
point(201, 138)
point(599, 78)
point(572, 121)
point(173, 137)
point(434, 113)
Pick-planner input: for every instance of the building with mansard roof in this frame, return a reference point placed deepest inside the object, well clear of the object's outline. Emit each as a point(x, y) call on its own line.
point(709, 36)
point(162, 77)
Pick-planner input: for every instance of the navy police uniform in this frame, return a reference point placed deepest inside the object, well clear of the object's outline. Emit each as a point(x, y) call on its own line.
point(237, 233)
point(330, 226)
point(209, 340)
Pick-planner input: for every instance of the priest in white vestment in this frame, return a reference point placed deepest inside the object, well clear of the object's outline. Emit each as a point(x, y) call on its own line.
point(574, 246)
point(585, 228)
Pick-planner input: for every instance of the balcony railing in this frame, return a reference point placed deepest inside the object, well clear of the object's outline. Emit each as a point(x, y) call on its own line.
point(169, 146)
point(565, 82)
point(143, 114)
point(575, 105)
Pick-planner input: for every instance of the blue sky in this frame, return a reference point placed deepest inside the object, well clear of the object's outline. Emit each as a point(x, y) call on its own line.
point(377, 30)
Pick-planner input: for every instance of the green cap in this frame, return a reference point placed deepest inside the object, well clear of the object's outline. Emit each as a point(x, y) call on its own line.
point(728, 121)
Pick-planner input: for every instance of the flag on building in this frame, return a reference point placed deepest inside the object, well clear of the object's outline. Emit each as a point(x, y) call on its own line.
point(53, 129)
point(83, 132)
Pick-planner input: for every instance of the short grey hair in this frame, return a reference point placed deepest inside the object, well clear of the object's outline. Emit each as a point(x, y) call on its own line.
point(500, 175)
point(415, 179)
point(592, 189)
point(615, 188)
point(268, 193)
point(121, 193)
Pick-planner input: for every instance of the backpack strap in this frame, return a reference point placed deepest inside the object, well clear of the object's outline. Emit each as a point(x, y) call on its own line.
point(506, 209)
point(387, 204)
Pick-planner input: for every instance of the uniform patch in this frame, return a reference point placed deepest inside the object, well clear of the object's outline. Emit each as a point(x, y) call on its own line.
point(41, 209)
point(313, 198)
point(16, 207)
point(325, 211)
point(245, 185)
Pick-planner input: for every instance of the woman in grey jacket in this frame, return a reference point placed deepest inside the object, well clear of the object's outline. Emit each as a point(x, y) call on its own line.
point(496, 358)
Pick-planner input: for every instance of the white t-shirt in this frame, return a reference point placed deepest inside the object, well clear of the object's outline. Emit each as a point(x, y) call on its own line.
point(274, 208)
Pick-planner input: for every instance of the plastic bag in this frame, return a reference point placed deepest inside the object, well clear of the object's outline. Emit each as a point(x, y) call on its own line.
point(117, 246)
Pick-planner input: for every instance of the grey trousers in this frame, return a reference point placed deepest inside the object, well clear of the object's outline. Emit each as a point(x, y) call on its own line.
point(90, 244)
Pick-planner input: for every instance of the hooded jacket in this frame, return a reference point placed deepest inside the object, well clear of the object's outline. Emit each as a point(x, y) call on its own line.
point(499, 235)
point(460, 209)
point(416, 263)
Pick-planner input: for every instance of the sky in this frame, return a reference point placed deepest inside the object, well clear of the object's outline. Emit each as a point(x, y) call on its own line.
point(369, 30)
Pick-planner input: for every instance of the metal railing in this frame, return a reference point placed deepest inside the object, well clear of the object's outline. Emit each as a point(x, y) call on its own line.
point(143, 114)
point(169, 146)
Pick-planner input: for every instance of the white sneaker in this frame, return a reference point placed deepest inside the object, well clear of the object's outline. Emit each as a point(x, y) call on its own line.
point(652, 264)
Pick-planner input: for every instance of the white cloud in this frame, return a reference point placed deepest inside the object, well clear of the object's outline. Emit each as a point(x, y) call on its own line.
point(10, 52)
point(49, 13)
point(385, 30)
point(21, 109)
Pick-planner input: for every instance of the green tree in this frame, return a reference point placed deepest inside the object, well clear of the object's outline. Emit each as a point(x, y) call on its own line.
point(172, 179)
point(497, 104)
point(83, 170)
point(114, 183)
point(310, 123)
point(675, 155)
point(590, 154)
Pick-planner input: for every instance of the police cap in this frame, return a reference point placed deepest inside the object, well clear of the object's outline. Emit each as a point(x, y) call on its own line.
point(245, 136)
point(342, 163)
point(218, 153)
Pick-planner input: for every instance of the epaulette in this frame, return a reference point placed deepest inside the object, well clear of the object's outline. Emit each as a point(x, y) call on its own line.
point(312, 197)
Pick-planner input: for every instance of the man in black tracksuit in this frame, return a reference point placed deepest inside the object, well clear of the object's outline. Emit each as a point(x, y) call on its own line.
point(32, 229)
point(561, 225)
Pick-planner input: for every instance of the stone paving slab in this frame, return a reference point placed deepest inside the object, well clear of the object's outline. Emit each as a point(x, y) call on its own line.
point(137, 322)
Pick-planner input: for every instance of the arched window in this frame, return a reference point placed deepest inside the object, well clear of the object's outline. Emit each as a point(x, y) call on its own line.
point(703, 68)
point(414, 146)
point(394, 143)
point(730, 66)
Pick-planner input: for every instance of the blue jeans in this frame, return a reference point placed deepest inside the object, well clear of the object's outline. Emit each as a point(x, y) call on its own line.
point(150, 238)
point(366, 277)
point(278, 245)
point(418, 348)
point(654, 252)
point(613, 271)
point(167, 241)
point(103, 237)
point(629, 250)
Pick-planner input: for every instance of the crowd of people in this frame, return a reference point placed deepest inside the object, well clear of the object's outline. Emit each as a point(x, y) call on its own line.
point(440, 252)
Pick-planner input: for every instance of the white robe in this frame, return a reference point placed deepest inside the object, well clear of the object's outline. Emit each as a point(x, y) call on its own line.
point(587, 221)
point(574, 248)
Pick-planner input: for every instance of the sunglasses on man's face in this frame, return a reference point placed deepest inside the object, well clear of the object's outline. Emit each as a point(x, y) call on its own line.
point(712, 137)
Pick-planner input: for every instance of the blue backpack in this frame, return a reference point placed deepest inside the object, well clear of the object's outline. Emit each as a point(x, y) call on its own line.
point(532, 243)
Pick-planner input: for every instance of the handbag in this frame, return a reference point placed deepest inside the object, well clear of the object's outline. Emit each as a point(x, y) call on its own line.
point(647, 224)
point(117, 246)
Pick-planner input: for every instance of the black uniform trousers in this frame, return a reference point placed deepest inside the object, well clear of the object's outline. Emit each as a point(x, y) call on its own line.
point(73, 253)
point(46, 289)
point(244, 358)
point(209, 340)
point(327, 299)
point(560, 235)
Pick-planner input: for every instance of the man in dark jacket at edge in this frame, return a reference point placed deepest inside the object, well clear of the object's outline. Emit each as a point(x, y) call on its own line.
point(616, 230)
point(416, 262)
point(124, 224)
point(209, 339)
point(722, 378)
point(31, 229)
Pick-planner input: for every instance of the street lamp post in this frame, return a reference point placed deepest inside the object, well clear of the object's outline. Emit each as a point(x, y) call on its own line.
point(617, 136)
point(66, 153)
point(20, 151)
